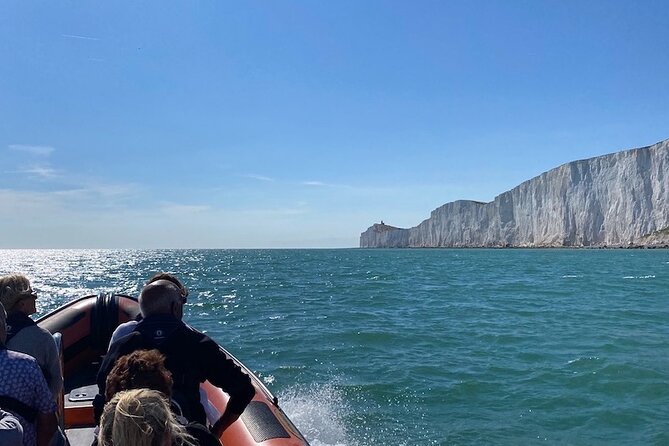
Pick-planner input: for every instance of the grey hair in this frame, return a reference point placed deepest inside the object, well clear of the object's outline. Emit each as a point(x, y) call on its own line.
point(12, 289)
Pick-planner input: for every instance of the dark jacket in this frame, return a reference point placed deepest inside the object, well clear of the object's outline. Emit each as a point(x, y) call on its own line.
point(191, 357)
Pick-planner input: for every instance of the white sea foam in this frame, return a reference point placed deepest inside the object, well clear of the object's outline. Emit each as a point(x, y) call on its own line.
point(318, 411)
point(583, 358)
point(322, 414)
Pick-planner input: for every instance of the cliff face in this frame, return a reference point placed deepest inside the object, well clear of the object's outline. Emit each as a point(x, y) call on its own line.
point(619, 199)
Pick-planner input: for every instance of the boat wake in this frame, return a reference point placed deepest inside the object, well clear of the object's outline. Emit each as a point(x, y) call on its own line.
point(326, 416)
point(318, 412)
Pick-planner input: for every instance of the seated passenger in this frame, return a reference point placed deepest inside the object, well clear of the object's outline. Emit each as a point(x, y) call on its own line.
point(191, 356)
point(23, 335)
point(11, 431)
point(146, 369)
point(141, 369)
point(24, 392)
point(128, 327)
point(140, 417)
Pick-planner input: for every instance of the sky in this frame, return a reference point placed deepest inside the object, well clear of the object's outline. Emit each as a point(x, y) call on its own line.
point(299, 124)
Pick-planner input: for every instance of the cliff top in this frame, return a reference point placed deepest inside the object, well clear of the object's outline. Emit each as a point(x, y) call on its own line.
point(381, 227)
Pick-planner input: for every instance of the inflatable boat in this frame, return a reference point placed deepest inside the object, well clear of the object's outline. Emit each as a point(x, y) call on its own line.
point(82, 329)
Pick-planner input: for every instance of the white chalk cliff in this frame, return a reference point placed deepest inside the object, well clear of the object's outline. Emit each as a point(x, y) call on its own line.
point(615, 200)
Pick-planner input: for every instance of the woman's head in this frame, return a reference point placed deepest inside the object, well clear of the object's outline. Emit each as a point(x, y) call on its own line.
point(140, 417)
point(139, 369)
point(16, 294)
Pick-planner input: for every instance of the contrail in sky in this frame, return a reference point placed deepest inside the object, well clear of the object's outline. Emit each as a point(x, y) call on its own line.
point(73, 36)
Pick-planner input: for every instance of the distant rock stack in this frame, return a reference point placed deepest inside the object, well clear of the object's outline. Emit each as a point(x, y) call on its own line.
point(616, 200)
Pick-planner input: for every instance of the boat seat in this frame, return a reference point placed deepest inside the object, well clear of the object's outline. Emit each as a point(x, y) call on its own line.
point(83, 394)
point(60, 398)
point(79, 407)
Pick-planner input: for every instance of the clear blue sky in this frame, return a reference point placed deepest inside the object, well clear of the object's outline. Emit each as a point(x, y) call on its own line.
point(212, 124)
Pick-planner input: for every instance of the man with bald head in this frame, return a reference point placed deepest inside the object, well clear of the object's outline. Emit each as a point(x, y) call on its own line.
point(161, 297)
point(191, 356)
point(151, 301)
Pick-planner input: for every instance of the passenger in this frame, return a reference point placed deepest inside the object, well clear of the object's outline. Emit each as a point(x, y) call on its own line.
point(191, 356)
point(23, 335)
point(146, 369)
point(11, 431)
point(141, 369)
point(24, 392)
point(128, 327)
point(140, 417)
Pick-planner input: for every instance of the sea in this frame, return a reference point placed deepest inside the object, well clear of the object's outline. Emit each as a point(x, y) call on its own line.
point(420, 346)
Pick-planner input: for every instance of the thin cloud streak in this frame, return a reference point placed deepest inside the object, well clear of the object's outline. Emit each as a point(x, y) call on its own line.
point(39, 171)
point(32, 149)
point(258, 177)
point(74, 36)
point(97, 192)
point(184, 209)
point(322, 184)
point(261, 214)
point(76, 195)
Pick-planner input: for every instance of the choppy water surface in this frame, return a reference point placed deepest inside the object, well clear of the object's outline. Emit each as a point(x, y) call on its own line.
point(421, 347)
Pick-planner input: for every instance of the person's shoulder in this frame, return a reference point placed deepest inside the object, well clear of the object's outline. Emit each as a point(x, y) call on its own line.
point(21, 367)
point(40, 332)
point(203, 343)
point(30, 337)
point(21, 361)
point(17, 356)
point(194, 332)
point(196, 337)
point(126, 326)
point(123, 330)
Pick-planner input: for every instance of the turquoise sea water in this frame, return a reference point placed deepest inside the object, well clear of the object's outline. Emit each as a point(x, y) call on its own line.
point(421, 347)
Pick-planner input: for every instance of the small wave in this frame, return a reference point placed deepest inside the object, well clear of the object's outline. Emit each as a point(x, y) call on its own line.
point(583, 358)
point(292, 367)
point(650, 276)
point(572, 276)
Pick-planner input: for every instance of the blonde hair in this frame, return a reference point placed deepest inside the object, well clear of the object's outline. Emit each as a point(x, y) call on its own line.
point(13, 288)
point(140, 417)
